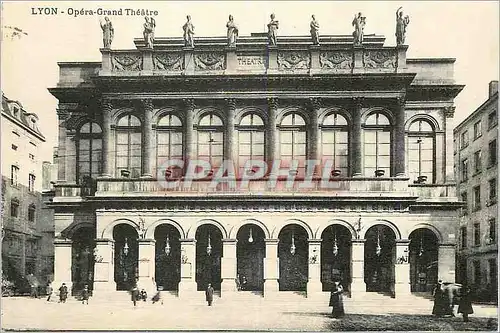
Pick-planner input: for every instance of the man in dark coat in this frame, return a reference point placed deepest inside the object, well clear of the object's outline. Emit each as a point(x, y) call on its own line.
point(85, 295)
point(63, 293)
point(465, 304)
point(336, 301)
point(135, 294)
point(209, 294)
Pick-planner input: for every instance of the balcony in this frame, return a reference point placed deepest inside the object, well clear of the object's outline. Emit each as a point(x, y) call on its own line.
point(434, 192)
point(72, 192)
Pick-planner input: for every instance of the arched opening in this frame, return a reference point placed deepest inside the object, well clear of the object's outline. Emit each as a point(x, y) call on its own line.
point(380, 255)
point(250, 254)
point(208, 256)
point(293, 253)
point(126, 256)
point(168, 257)
point(82, 263)
point(336, 257)
point(424, 247)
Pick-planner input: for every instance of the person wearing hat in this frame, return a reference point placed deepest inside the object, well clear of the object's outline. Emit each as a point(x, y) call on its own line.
point(63, 293)
point(336, 301)
point(439, 302)
point(85, 294)
point(465, 304)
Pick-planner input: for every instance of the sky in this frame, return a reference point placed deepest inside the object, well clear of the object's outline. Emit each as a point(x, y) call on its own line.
point(467, 31)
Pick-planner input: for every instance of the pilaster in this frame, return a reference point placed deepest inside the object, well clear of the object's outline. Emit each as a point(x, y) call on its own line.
point(399, 139)
point(271, 268)
point(358, 287)
point(356, 156)
point(402, 284)
point(188, 129)
point(62, 262)
point(448, 156)
point(70, 156)
point(188, 60)
point(272, 132)
point(358, 59)
point(314, 285)
point(229, 147)
point(147, 138)
point(147, 61)
point(188, 286)
point(313, 140)
point(228, 267)
point(446, 262)
point(231, 60)
point(147, 265)
point(104, 268)
point(107, 147)
point(272, 58)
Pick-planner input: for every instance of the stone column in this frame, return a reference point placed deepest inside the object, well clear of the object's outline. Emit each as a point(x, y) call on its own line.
point(448, 157)
point(61, 150)
point(402, 284)
point(272, 59)
point(188, 60)
point(62, 263)
point(229, 147)
point(446, 262)
point(147, 265)
point(188, 130)
point(231, 60)
point(271, 132)
point(70, 156)
point(356, 157)
point(358, 287)
point(187, 286)
point(313, 140)
point(147, 138)
point(271, 268)
point(107, 147)
point(399, 139)
point(228, 267)
point(314, 285)
point(104, 269)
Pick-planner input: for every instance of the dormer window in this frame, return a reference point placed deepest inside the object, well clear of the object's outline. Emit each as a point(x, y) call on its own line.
point(15, 110)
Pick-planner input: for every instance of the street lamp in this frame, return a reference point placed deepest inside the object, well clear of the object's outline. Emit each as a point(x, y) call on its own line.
point(209, 246)
point(250, 238)
point(292, 247)
point(335, 247)
point(167, 246)
point(125, 247)
point(378, 249)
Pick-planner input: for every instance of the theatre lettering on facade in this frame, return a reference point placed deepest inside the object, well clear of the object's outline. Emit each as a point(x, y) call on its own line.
point(378, 213)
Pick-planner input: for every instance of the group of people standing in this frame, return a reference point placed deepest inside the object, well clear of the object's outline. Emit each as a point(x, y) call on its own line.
point(444, 301)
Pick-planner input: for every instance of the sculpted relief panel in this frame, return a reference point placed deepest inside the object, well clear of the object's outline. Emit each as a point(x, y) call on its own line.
point(168, 61)
point(126, 62)
point(336, 60)
point(379, 59)
point(209, 61)
point(294, 60)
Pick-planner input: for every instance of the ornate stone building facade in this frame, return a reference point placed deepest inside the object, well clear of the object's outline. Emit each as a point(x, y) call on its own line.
point(381, 218)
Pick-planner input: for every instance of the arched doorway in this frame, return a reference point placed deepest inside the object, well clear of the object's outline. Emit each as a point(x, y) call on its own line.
point(424, 247)
point(82, 264)
point(126, 256)
point(293, 253)
point(380, 255)
point(208, 256)
point(168, 257)
point(336, 257)
point(250, 254)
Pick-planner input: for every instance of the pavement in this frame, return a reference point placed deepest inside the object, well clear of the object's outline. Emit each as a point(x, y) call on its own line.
point(290, 313)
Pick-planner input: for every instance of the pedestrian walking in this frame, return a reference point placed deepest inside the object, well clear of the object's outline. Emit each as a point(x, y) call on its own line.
point(465, 304)
point(63, 293)
point(48, 289)
point(135, 294)
point(33, 285)
point(209, 294)
point(85, 295)
point(336, 301)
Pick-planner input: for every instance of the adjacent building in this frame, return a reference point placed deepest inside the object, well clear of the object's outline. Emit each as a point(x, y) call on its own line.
point(24, 241)
point(476, 165)
point(378, 211)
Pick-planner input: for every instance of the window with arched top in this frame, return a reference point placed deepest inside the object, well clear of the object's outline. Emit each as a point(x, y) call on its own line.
point(335, 143)
point(169, 143)
point(293, 140)
point(210, 140)
point(377, 145)
point(128, 146)
point(89, 151)
point(251, 140)
point(420, 150)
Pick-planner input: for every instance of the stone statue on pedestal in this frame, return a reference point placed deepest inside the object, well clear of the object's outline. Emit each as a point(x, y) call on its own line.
point(358, 23)
point(149, 31)
point(272, 31)
point(401, 24)
point(314, 31)
point(188, 32)
point(107, 32)
point(232, 32)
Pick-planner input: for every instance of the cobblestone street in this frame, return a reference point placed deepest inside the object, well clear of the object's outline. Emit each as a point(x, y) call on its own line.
point(37, 314)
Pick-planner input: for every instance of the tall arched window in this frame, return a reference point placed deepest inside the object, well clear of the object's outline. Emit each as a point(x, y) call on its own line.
point(293, 142)
point(420, 151)
point(250, 140)
point(169, 142)
point(89, 151)
point(335, 143)
point(128, 146)
point(377, 145)
point(210, 143)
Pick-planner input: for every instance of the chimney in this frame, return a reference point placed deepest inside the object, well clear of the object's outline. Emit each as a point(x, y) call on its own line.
point(493, 88)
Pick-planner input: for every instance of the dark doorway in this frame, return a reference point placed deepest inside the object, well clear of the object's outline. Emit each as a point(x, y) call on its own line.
point(208, 256)
point(82, 264)
point(250, 253)
point(423, 260)
point(336, 257)
point(126, 256)
point(293, 253)
point(168, 257)
point(380, 253)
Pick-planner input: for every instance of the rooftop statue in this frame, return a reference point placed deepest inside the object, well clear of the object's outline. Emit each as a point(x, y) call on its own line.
point(188, 32)
point(314, 31)
point(358, 23)
point(272, 28)
point(149, 31)
point(107, 32)
point(401, 24)
point(232, 32)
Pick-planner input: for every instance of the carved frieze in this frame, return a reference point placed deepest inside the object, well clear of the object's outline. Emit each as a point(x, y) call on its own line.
point(209, 61)
point(293, 60)
point(379, 59)
point(336, 60)
point(168, 61)
point(126, 62)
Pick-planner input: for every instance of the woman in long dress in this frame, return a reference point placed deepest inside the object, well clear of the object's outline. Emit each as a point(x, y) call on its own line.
point(336, 301)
